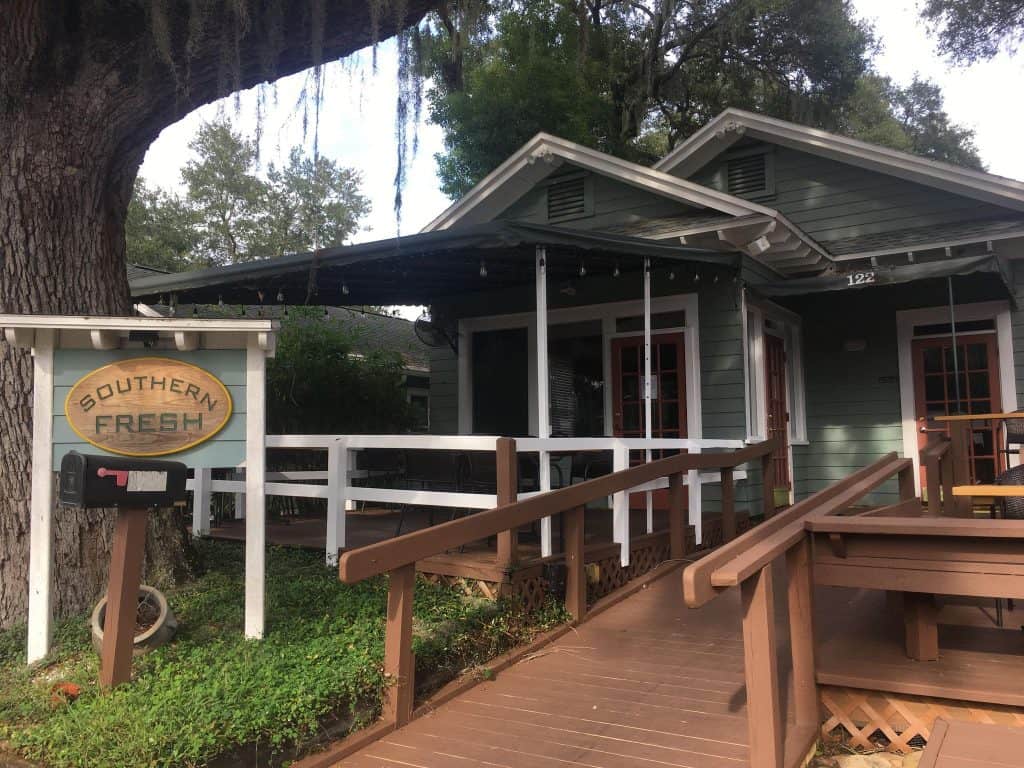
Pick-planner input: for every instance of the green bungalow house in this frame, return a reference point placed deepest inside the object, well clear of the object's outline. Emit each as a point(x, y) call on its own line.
point(793, 283)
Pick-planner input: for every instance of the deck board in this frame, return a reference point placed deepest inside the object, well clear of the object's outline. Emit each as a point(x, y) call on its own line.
point(645, 683)
point(974, 745)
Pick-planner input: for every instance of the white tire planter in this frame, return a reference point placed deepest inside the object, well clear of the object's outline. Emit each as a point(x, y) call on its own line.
point(161, 632)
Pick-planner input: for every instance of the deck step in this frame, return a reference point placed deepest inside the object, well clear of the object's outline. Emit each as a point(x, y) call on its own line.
point(959, 744)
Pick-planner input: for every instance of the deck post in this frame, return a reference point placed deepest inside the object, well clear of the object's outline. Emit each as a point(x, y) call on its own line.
point(905, 479)
point(201, 485)
point(508, 490)
point(767, 487)
point(575, 573)
point(399, 663)
point(946, 470)
point(800, 593)
point(959, 448)
point(933, 475)
point(41, 534)
point(728, 505)
point(920, 615)
point(337, 498)
point(676, 518)
point(543, 390)
point(648, 417)
point(760, 665)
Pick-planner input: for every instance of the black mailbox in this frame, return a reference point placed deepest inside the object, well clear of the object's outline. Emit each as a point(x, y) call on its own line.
point(88, 480)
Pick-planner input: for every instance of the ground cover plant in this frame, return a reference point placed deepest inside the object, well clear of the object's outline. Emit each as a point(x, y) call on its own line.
point(211, 694)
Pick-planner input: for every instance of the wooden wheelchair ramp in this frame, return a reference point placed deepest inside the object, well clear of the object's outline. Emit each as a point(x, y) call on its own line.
point(647, 682)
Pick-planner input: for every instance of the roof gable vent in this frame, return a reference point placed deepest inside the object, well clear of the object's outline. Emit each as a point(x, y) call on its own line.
point(569, 198)
point(750, 175)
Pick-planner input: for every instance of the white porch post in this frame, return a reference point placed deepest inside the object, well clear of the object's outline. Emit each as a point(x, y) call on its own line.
point(648, 429)
point(338, 465)
point(239, 474)
point(620, 504)
point(543, 393)
point(201, 495)
point(40, 569)
point(256, 500)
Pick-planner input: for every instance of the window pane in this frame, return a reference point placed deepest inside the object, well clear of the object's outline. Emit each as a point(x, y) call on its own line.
point(984, 471)
point(979, 384)
point(667, 356)
point(933, 389)
point(631, 417)
point(932, 360)
point(670, 414)
point(630, 359)
point(670, 386)
point(960, 358)
point(630, 388)
point(977, 357)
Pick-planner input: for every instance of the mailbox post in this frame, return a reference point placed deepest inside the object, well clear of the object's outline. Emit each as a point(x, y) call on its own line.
point(133, 487)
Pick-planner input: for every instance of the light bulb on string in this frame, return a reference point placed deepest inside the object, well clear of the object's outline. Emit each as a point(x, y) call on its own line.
point(280, 296)
point(583, 270)
point(220, 301)
point(483, 269)
point(615, 272)
point(344, 289)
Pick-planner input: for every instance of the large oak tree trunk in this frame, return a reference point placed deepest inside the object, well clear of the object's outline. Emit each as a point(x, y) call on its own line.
point(63, 193)
point(84, 90)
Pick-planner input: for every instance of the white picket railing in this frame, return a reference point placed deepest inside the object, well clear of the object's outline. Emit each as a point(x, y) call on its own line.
point(335, 482)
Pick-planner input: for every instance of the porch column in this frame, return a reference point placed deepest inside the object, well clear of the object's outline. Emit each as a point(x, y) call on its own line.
point(648, 428)
point(543, 393)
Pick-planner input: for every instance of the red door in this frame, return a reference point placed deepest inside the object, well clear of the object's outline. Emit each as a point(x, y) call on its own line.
point(777, 409)
point(668, 393)
point(936, 392)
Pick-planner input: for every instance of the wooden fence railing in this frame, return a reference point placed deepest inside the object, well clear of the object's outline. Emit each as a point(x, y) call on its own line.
point(748, 563)
point(937, 460)
point(398, 557)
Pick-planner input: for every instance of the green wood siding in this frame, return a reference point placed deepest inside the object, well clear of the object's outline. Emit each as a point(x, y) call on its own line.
point(615, 203)
point(830, 200)
point(226, 449)
point(444, 391)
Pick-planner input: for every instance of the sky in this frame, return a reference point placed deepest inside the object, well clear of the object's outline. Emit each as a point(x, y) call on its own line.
point(357, 124)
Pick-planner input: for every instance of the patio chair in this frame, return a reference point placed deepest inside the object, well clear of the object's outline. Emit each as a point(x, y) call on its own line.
point(429, 471)
point(1013, 432)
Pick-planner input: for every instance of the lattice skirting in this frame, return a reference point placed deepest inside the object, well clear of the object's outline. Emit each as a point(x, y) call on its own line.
point(488, 590)
point(870, 719)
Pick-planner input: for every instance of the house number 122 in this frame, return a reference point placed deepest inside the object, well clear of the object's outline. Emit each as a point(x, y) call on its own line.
point(860, 278)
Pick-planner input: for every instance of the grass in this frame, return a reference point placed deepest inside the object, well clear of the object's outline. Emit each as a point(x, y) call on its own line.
point(211, 693)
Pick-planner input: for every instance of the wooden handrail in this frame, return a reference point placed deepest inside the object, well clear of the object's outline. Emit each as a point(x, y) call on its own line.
point(748, 563)
point(935, 449)
point(697, 586)
point(384, 556)
point(1001, 491)
point(920, 526)
point(398, 556)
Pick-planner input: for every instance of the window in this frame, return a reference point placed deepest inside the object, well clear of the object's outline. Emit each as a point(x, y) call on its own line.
point(659, 322)
point(569, 197)
point(769, 320)
point(750, 175)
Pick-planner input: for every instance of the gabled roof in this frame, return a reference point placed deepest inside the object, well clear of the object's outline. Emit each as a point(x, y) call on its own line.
point(788, 249)
point(542, 154)
point(733, 124)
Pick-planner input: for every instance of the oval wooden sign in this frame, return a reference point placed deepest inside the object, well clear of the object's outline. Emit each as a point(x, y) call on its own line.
point(147, 406)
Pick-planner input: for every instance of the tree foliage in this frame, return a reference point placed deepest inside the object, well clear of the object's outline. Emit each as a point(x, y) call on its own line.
point(317, 383)
point(973, 30)
point(230, 213)
point(634, 78)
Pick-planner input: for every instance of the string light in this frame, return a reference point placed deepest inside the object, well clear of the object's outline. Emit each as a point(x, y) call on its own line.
point(583, 270)
point(615, 272)
point(716, 278)
point(280, 295)
point(696, 277)
point(672, 275)
point(220, 301)
point(195, 310)
point(483, 269)
point(344, 289)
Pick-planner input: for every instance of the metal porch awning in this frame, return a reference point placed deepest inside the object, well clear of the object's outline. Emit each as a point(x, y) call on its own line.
point(420, 268)
point(890, 275)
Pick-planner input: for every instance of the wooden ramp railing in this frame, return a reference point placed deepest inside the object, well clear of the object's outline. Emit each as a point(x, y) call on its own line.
point(397, 557)
point(748, 563)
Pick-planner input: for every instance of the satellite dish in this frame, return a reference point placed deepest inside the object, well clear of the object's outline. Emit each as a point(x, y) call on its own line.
point(434, 335)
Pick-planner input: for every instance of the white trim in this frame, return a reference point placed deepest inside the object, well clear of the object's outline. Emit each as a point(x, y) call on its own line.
point(606, 313)
point(165, 324)
point(906, 319)
point(40, 567)
point(255, 470)
point(933, 246)
point(542, 154)
point(732, 124)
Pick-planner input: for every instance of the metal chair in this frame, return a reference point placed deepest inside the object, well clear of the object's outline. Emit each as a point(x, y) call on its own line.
point(1011, 507)
point(1013, 433)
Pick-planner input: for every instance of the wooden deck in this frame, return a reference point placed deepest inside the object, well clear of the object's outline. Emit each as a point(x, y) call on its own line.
point(972, 745)
point(647, 682)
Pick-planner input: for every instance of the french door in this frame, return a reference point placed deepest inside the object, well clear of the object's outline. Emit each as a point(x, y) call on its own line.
point(970, 384)
point(668, 392)
point(777, 410)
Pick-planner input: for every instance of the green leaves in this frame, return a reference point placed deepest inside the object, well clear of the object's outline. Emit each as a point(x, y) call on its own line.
point(212, 692)
point(230, 213)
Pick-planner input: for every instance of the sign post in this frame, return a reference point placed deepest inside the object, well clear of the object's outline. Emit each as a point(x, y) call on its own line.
point(143, 386)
